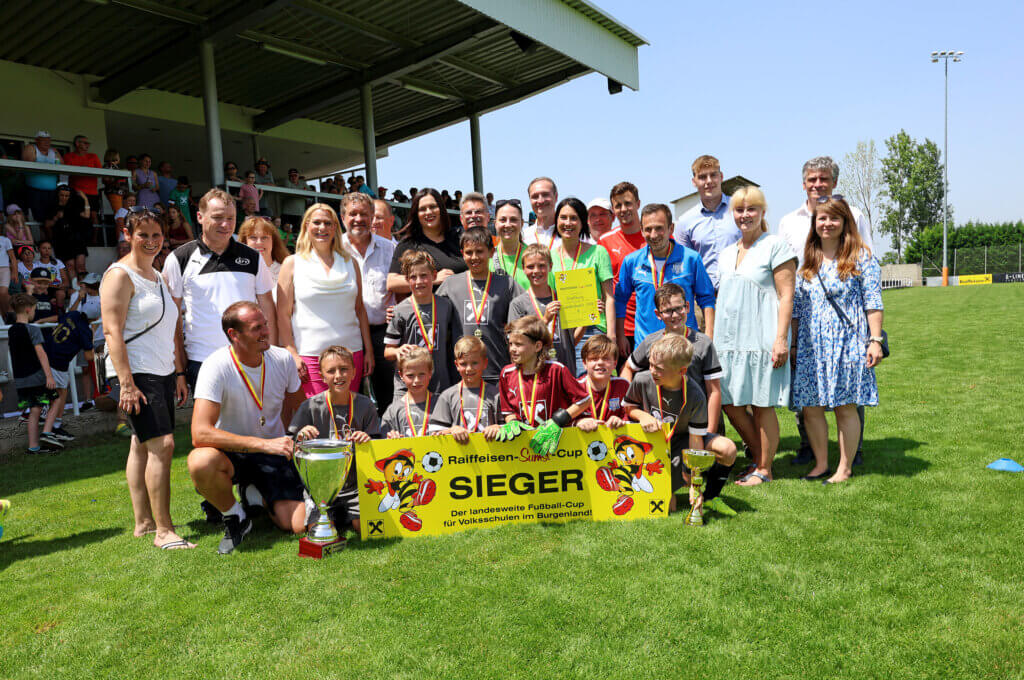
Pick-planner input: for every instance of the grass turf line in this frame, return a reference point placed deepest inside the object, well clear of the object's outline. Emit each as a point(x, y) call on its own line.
point(912, 570)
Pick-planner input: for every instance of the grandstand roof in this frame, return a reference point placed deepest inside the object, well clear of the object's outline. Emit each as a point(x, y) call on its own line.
point(430, 62)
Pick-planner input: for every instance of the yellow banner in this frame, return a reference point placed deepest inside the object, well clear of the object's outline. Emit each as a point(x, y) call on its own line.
point(974, 279)
point(577, 291)
point(427, 486)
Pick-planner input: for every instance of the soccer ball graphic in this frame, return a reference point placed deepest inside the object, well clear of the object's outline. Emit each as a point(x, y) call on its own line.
point(433, 461)
point(597, 451)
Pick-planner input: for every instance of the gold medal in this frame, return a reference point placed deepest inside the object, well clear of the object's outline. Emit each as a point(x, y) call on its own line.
point(478, 333)
point(263, 421)
point(552, 353)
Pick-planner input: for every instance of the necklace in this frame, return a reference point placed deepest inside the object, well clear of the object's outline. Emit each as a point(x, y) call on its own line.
point(348, 420)
point(658, 280)
point(604, 400)
point(657, 389)
point(248, 383)
point(478, 311)
point(479, 407)
point(530, 414)
point(429, 339)
point(426, 416)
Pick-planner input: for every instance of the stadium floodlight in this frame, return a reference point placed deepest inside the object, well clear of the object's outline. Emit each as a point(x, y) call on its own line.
point(946, 56)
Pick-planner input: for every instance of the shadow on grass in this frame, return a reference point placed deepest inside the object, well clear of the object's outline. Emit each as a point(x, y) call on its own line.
point(21, 548)
point(885, 456)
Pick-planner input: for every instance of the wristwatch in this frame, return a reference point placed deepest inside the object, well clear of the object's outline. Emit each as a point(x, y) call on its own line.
point(875, 338)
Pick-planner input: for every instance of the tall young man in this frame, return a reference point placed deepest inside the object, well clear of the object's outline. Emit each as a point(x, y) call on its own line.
point(708, 227)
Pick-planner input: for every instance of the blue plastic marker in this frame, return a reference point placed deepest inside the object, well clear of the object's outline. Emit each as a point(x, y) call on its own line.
point(1005, 465)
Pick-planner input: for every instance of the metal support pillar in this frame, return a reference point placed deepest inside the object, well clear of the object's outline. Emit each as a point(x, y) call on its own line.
point(478, 163)
point(369, 135)
point(211, 109)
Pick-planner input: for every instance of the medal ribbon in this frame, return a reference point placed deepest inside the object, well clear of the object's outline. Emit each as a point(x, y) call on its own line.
point(604, 400)
point(531, 414)
point(245, 377)
point(515, 261)
point(540, 314)
point(561, 258)
point(426, 416)
point(429, 339)
point(658, 280)
point(479, 407)
point(330, 410)
point(478, 311)
point(657, 389)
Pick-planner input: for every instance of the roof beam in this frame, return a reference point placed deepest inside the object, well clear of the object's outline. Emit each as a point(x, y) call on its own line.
point(330, 57)
point(314, 100)
point(490, 103)
point(349, 21)
point(480, 72)
point(178, 52)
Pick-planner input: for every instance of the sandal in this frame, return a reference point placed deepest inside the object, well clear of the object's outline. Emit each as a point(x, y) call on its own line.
point(764, 479)
point(180, 544)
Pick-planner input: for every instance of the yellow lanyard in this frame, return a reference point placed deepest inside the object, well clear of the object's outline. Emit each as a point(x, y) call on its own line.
point(658, 280)
point(540, 314)
point(531, 414)
point(351, 411)
point(426, 416)
point(604, 400)
point(248, 383)
point(478, 312)
point(433, 321)
point(462, 407)
point(562, 253)
point(657, 389)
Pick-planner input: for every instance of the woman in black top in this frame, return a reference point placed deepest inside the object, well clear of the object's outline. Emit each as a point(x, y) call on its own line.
point(428, 229)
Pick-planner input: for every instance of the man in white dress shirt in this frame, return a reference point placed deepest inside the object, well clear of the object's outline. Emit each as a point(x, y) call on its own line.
point(820, 176)
point(373, 254)
point(543, 198)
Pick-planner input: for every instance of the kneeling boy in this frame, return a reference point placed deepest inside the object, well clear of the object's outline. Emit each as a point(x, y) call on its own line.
point(409, 414)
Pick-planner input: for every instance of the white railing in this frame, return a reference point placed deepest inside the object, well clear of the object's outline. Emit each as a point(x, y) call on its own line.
point(62, 169)
point(316, 195)
point(889, 284)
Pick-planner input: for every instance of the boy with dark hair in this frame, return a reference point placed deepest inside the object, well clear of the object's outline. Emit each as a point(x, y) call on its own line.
point(423, 320)
point(482, 297)
point(71, 336)
point(607, 393)
point(665, 395)
point(33, 380)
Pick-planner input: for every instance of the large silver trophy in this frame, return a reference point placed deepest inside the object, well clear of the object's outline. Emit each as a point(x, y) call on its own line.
point(323, 466)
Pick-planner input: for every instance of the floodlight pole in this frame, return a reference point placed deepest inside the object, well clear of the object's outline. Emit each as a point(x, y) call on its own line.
point(945, 56)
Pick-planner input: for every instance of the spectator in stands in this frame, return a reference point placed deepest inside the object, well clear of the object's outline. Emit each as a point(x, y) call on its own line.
point(166, 180)
point(599, 218)
point(161, 257)
point(398, 197)
point(68, 226)
point(131, 164)
point(26, 263)
point(755, 308)
point(139, 320)
point(59, 282)
point(146, 182)
point(490, 204)
point(250, 208)
point(259, 234)
point(159, 209)
point(121, 216)
point(412, 192)
point(840, 280)
point(178, 231)
point(231, 175)
point(207, 275)
point(181, 197)
point(249, 190)
point(820, 176)
point(446, 200)
point(543, 196)
point(114, 188)
point(457, 199)
point(87, 184)
point(265, 176)
point(8, 272)
point(383, 220)
point(708, 226)
point(382, 193)
point(625, 200)
point(293, 207)
point(320, 300)
point(372, 253)
point(428, 229)
point(365, 188)
point(473, 210)
point(42, 187)
point(17, 230)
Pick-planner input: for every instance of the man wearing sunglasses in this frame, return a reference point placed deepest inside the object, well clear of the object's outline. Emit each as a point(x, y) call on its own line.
point(820, 176)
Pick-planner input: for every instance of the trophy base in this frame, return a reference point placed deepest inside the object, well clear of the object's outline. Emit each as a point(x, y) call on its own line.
point(694, 518)
point(318, 551)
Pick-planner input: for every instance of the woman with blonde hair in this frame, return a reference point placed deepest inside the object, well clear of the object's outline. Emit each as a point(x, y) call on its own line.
point(17, 229)
point(752, 317)
point(259, 234)
point(837, 334)
point(320, 301)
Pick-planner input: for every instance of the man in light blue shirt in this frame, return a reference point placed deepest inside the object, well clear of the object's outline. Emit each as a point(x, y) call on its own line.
point(708, 227)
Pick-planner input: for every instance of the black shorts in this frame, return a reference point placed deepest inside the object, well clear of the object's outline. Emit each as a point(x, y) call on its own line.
point(37, 395)
point(156, 417)
point(192, 374)
point(274, 477)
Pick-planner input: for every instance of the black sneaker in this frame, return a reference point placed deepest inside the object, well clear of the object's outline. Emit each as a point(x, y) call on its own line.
point(63, 435)
point(213, 515)
point(804, 456)
point(235, 530)
point(858, 458)
point(51, 441)
point(86, 405)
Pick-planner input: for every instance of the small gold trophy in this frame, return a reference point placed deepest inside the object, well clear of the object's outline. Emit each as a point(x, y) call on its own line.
point(698, 461)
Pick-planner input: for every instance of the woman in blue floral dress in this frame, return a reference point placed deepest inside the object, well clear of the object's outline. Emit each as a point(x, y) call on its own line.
point(837, 342)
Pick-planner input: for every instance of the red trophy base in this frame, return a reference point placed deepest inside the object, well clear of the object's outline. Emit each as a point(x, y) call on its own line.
point(318, 551)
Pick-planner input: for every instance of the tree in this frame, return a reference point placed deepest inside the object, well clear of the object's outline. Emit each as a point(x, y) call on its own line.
point(861, 179)
point(912, 193)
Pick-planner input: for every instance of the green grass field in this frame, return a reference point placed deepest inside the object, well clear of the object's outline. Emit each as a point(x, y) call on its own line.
point(911, 570)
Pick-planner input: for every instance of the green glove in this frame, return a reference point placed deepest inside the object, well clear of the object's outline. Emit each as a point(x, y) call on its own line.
point(511, 430)
point(545, 441)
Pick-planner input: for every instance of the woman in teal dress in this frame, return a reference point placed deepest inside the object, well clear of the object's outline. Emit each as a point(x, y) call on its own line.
point(753, 312)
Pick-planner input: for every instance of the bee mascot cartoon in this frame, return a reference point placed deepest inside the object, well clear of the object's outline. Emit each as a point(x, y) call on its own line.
point(624, 473)
point(402, 489)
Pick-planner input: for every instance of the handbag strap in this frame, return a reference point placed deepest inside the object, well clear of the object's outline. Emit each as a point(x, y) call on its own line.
point(163, 310)
point(828, 296)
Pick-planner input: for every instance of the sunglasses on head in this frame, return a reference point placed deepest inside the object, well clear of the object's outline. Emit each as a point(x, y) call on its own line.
point(833, 197)
point(508, 201)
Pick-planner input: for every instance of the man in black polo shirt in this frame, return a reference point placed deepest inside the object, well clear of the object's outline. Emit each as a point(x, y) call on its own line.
point(208, 275)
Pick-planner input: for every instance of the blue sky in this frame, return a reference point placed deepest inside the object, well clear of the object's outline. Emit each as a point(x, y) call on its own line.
point(763, 88)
